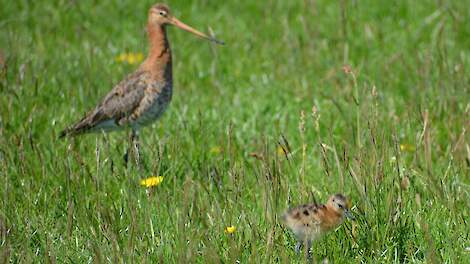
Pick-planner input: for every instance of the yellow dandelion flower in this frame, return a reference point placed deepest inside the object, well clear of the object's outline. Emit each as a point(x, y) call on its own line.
point(130, 58)
point(152, 181)
point(215, 150)
point(407, 147)
point(135, 58)
point(121, 58)
point(230, 229)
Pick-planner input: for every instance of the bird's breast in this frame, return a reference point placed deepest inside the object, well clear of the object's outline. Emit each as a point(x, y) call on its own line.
point(154, 104)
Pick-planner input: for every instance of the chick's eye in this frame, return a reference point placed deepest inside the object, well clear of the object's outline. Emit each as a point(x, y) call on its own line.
point(162, 13)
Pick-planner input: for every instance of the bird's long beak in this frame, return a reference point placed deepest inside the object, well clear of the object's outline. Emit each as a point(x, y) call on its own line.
point(183, 26)
point(349, 215)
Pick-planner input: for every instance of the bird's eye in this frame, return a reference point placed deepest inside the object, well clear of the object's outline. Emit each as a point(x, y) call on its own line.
point(162, 13)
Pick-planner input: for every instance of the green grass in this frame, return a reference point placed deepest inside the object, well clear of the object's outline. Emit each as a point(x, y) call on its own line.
point(75, 201)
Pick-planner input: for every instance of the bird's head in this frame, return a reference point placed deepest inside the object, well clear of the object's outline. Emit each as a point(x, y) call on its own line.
point(339, 203)
point(160, 16)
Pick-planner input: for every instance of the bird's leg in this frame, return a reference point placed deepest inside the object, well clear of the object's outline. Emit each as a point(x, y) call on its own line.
point(309, 250)
point(298, 247)
point(125, 157)
point(128, 149)
point(136, 146)
point(133, 148)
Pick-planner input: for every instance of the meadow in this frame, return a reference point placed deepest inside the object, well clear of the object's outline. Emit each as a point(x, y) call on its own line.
point(306, 99)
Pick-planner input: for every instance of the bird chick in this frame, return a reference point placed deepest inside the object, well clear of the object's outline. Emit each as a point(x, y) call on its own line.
point(309, 222)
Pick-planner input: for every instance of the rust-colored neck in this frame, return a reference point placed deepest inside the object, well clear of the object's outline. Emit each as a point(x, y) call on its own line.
point(158, 61)
point(332, 217)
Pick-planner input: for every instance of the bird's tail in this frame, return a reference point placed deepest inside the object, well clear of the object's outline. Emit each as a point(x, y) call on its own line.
point(69, 131)
point(78, 128)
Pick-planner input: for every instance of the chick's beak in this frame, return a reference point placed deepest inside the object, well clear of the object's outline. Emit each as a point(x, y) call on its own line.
point(185, 27)
point(349, 215)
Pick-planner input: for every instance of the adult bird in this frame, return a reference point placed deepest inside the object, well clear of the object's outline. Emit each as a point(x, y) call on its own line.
point(143, 96)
